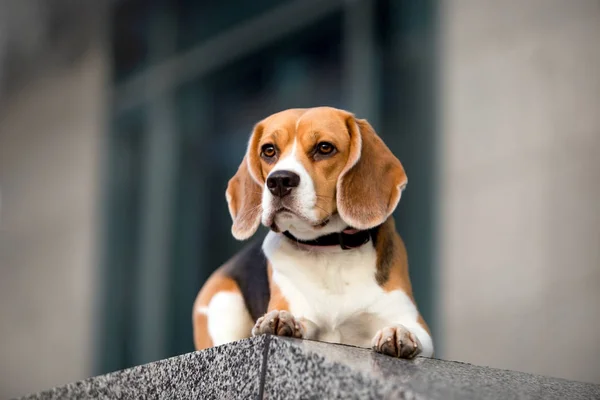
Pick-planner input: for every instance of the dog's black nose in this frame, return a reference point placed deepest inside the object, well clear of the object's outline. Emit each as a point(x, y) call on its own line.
point(281, 183)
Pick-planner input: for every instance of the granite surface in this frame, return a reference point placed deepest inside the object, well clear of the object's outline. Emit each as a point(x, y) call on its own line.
point(280, 368)
point(224, 372)
point(334, 371)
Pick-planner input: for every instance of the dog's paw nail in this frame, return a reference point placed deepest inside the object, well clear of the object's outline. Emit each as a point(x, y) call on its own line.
point(280, 323)
point(396, 341)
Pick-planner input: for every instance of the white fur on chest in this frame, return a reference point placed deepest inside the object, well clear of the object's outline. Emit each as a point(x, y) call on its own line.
point(336, 290)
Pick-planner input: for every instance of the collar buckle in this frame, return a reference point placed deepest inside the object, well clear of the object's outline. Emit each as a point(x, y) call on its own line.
point(342, 243)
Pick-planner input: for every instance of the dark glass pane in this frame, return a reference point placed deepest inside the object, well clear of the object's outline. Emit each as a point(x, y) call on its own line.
point(199, 20)
point(124, 177)
point(190, 228)
point(130, 32)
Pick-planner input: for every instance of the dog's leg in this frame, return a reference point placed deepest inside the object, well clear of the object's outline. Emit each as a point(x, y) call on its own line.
point(279, 320)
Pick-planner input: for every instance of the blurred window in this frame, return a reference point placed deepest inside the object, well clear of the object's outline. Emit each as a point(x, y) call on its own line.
point(125, 171)
point(129, 37)
point(199, 20)
point(178, 137)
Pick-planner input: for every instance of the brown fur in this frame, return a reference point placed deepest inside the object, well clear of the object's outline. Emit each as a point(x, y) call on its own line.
point(243, 198)
point(392, 262)
point(370, 189)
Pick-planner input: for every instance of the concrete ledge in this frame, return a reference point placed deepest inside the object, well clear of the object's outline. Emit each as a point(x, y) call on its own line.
point(279, 368)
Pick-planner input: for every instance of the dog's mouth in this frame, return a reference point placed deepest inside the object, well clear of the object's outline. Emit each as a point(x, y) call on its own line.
point(284, 214)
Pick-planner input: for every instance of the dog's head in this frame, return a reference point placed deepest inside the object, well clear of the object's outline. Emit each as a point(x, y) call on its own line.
point(312, 172)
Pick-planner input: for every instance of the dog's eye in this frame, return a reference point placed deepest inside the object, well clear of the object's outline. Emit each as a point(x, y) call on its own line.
point(325, 148)
point(268, 150)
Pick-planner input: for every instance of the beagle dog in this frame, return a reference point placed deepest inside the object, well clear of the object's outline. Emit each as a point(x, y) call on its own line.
point(332, 267)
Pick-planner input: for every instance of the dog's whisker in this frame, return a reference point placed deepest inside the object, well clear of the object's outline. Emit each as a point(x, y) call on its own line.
point(321, 208)
point(320, 196)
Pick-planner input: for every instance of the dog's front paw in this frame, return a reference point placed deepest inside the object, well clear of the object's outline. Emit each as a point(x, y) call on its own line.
point(280, 323)
point(396, 341)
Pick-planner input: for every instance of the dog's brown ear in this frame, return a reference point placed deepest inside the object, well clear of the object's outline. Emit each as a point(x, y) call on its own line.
point(244, 193)
point(370, 185)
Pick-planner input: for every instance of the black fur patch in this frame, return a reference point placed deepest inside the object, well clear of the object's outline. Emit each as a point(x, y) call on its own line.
point(385, 257)
point(249, 269)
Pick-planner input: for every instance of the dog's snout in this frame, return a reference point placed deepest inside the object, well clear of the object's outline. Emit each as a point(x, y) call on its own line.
point(281, 183)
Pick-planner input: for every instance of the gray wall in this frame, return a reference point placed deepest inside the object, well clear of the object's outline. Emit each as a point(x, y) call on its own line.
point(520, 206)
point(49, 158)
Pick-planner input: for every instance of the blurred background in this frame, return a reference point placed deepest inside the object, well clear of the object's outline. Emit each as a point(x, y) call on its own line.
point(121, 122)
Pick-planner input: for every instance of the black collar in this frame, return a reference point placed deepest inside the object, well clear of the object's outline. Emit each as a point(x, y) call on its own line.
point(345, 240)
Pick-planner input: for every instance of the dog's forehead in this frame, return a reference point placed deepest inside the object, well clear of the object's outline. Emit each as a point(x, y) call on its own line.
point(299, 121)
point(321, 119)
